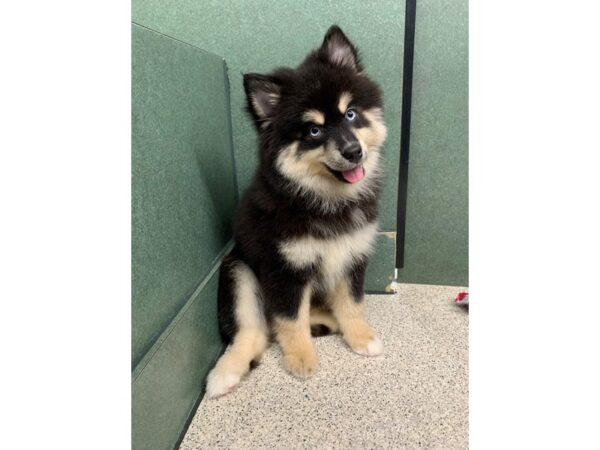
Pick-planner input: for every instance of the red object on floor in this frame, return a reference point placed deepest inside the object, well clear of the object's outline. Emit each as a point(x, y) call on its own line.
point(462, 298)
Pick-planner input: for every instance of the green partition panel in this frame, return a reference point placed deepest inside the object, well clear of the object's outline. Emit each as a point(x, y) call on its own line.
point(183, 198)
point(168, 383)
point(436, 250)
point(259, 35)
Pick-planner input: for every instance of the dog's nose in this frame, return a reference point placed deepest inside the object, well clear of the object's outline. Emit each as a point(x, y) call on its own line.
point(352, 152)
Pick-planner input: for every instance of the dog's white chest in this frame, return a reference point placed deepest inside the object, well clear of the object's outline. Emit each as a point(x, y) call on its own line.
point(332, 256)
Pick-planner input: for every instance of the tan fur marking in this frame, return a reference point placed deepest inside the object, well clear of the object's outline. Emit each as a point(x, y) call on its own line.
point(373, 136)
point(314, 116)
point(293, 335)
point(350, 315)
point(344, 101)
point(320, 316)
point(308, 164)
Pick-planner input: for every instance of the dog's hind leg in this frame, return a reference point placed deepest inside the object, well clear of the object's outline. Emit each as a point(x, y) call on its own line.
point(322, 322)
point(242, 321)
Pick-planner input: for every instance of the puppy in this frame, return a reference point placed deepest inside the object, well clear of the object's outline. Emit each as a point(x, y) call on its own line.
point(305, 225)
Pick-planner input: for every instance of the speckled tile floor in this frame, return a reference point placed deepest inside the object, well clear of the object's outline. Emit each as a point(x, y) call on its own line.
point(413, 396)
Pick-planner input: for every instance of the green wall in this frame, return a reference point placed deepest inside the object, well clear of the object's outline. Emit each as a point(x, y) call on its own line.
point(183, 187)
point(436, 250)
point(183, 197)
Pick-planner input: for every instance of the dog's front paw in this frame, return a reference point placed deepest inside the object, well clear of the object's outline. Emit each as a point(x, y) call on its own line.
point(301, 365)
point(367, 347)
point(219, 383)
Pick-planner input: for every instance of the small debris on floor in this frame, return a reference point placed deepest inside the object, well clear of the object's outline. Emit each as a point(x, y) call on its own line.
point(306, 397)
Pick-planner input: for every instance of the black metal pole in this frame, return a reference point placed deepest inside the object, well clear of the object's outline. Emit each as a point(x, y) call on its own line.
point(409, 49)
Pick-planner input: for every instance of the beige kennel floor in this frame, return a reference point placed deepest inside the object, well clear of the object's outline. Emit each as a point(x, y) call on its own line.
point(413, 396)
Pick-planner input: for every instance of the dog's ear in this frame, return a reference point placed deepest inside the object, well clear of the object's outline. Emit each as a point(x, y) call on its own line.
point(338, 49)
point(263, 94)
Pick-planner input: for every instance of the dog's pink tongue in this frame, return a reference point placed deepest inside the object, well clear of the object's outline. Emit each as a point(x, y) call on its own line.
point(354, 175)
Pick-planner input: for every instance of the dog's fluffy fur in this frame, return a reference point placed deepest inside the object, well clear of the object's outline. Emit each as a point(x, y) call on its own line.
point(304, 227)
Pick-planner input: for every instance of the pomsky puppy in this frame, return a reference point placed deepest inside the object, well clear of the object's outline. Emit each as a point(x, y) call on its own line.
point(305, 225)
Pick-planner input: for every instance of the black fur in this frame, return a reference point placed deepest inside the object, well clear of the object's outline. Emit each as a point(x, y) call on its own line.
point(272, 209)
point(225, 297)
point(319, 330)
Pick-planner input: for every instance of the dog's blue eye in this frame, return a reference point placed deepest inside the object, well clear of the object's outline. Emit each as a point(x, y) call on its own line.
point(314, 131)
point(351, 115)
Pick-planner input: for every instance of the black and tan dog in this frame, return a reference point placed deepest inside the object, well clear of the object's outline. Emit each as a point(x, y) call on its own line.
point(305, 225)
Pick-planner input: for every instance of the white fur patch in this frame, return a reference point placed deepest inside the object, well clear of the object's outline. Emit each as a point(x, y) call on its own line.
point(220, 383)
point(374, 348)
point(333, 255)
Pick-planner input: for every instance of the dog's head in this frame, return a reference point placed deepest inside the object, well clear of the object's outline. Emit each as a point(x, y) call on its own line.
point(321, 124)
